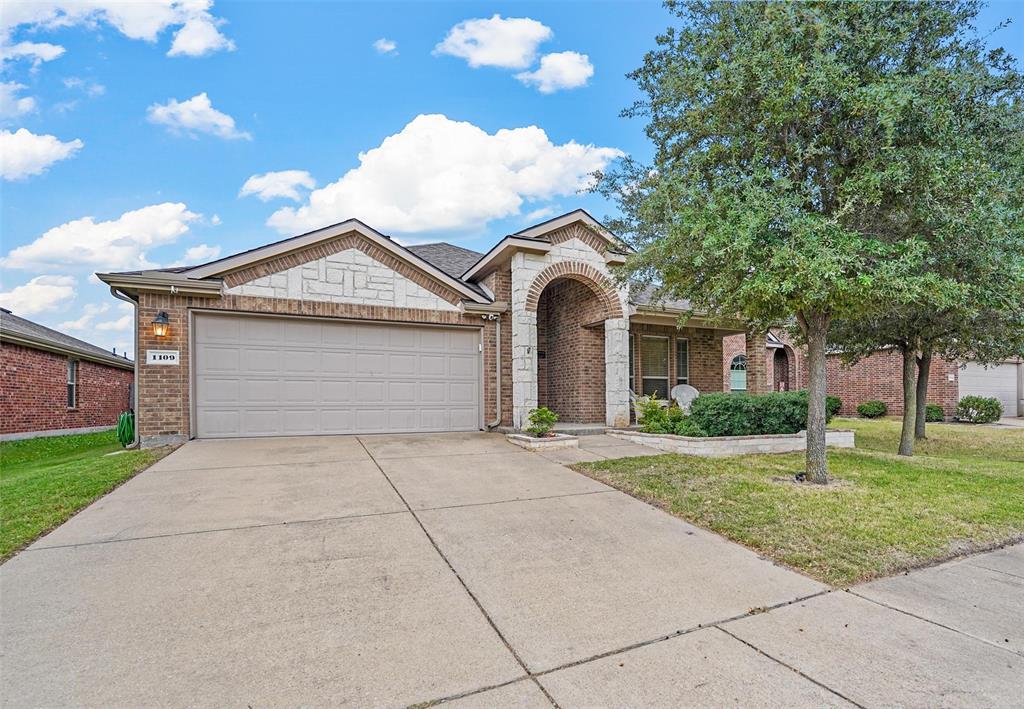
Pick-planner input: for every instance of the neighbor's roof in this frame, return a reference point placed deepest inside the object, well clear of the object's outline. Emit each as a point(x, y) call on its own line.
point(31, 334)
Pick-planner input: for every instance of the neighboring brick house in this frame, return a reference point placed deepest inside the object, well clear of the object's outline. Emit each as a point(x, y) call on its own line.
point(52, 383)
point(342, 330)
point(880, 377)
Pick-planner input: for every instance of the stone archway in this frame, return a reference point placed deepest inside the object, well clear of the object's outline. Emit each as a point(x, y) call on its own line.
point(607, 315)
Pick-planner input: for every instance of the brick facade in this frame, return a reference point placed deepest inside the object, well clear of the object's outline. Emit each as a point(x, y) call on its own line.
point(704, 355)
point(33, 392)
point(878, 376)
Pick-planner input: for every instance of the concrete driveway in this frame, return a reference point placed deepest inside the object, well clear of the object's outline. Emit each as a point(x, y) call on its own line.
point(398, 570)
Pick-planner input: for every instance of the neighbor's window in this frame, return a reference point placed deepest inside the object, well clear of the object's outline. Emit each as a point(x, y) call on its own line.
point(632, 365)
point(72, 383)
point(738, 373)
point(654, 365)
point(682, 361)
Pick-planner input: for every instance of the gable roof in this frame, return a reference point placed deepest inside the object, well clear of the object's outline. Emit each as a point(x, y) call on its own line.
point(453, 260)
point(24, 332)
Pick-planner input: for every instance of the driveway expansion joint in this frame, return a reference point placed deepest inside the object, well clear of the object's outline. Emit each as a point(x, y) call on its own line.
point(462, 582)
point(806, 676)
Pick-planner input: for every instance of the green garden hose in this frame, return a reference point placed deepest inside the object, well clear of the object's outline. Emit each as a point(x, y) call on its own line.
point(126, 428)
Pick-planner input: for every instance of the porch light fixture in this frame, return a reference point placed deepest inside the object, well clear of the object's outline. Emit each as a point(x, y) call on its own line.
point(161, 324)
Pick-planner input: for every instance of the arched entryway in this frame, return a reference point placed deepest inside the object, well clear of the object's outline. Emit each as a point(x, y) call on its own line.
point(783, 369)
point(570, 344)
point(570, 351)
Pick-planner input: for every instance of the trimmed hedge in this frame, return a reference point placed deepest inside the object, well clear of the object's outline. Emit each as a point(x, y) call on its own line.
point(735, 414)
point(979, 409)
point(933, 413)
point(872, 409)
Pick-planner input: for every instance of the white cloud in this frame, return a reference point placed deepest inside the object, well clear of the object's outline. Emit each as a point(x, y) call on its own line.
point(119, 244)
point(443, 174)
point(386, 46)
point(540, 214)
point(88, 86)
point(196, 115)
point(562, 70)
point(38, 52)
point(284, 183)
point(200, 37)
point(12, 105)
point(215, 220)
point(89, 313)
point(40, 294)
point(200, 254)
point(510, 43)
point(24, 153)
point(124, 322)
point(142, 19)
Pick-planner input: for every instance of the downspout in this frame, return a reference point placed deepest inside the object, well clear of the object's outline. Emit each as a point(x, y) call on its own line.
point(135, 393)
point(496, 319)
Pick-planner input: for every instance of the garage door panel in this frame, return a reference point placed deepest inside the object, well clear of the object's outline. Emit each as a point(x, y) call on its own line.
point(336, 362)
point(274, 376)
point(335, 391)
point(997, 381)
point(259, 359)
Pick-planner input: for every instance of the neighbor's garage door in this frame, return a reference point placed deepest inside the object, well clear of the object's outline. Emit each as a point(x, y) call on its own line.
point(999, 381)
point(267, 376)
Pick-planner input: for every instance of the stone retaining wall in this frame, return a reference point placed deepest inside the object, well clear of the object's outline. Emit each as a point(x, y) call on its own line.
point(723, 446)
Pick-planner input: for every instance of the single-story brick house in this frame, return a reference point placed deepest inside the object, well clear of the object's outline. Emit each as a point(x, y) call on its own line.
point(878, 376)
point(342, 330)
point(53, 384)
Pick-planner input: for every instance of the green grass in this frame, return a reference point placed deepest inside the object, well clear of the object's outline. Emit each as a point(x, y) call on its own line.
point(885, 514)
point(43, 481)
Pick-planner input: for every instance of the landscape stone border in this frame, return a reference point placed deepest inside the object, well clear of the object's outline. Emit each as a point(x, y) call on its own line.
point(531, 443)
point(723, 446)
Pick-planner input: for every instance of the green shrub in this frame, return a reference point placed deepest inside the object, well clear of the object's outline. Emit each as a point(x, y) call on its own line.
point(832, 406)
point(750, 415)
point(933, 413)
point(688, 427)
point(541, 420)
point(979, 409)
point(872, 409)
point(649, 412)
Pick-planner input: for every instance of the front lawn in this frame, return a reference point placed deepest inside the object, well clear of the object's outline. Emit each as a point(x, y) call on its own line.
point(964, 491)
point(43, 481)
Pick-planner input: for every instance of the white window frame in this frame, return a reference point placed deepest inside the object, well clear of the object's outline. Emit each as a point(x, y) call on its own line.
point(683, 378)
point(643, 375)
point(72, 382)
point(733, 368)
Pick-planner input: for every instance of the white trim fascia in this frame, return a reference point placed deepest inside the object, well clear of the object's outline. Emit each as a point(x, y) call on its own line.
point(505, 247)
point(161, 282)
point(556, 223)
point(238, 261)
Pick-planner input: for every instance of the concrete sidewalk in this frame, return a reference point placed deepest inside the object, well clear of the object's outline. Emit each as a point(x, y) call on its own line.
point(457, 569)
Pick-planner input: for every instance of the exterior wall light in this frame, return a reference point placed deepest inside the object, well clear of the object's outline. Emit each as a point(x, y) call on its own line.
point(161, 324)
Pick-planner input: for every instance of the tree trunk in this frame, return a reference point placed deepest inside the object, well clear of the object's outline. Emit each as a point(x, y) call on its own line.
point(815, 329)
point(909, 400)
point(924, 368)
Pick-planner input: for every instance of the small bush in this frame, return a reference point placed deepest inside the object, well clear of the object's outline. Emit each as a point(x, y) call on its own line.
point(832, 406)
point(750, 415)
point(933, 413)
point(688, 427)
point(872, 409)
point(541, 420)
point(979, 409)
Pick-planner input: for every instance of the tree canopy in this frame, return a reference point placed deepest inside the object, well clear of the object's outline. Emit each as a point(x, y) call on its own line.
point(795, 160)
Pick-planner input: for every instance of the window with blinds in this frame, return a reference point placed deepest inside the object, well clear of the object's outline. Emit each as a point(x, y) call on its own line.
point(654, 365)
point(682, 361)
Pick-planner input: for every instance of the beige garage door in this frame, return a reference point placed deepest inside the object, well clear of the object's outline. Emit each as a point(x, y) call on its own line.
point(265, 376)
point(999, 381)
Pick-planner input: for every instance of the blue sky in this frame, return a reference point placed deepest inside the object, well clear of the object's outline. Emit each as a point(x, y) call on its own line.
point(131, 146)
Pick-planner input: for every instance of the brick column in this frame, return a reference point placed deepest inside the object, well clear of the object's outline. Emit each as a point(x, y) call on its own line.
point(758, 381)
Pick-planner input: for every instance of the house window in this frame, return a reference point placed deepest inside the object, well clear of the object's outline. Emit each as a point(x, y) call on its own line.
point(72, 383)
point(738, 373)
point(654, 365)
point(682, 361)
point(632, 365)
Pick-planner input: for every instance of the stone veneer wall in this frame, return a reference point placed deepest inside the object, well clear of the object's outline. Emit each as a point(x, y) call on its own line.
point(348, 276)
